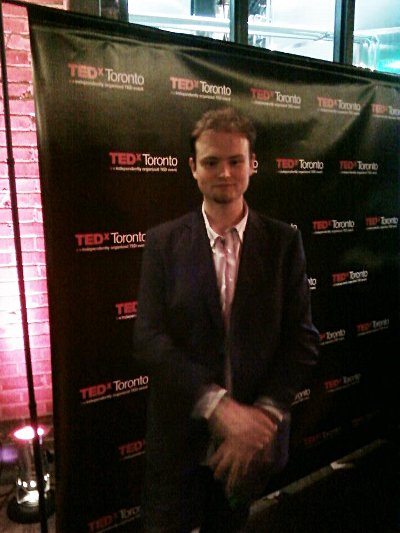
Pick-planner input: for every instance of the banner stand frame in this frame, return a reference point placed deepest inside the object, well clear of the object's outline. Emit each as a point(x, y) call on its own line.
point(37, 452)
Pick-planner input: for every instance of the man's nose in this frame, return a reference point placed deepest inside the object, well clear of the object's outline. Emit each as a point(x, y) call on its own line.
point(225, 170)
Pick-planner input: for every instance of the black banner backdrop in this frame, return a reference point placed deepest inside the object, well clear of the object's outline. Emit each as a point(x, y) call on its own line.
point(115, 106)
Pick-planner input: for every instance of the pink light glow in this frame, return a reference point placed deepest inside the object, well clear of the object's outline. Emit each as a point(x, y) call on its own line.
point(27, 433)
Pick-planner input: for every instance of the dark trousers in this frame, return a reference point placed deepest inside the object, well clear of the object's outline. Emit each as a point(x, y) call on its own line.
point(221, 515)
point(178, 504)
point(202, 503)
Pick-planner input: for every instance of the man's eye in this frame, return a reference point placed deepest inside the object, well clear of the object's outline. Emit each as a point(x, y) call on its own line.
point(210, 163)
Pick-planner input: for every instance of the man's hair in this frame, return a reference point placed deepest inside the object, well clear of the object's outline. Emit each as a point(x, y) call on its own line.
point(227, 120)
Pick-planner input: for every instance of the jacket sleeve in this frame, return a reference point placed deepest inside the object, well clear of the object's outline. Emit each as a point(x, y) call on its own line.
point(298, 347)
point(170, 367)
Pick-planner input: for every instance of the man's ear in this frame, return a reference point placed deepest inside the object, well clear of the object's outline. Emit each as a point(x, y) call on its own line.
point(192, 165)
point(252, 161)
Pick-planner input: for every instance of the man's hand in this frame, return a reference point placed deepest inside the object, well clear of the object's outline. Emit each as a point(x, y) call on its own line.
point(246, 435)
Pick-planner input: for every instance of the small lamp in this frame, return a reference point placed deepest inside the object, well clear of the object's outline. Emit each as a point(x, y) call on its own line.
point(24, 507)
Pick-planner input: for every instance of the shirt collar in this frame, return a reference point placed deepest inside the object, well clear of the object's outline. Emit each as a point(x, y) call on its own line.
point(240, 226)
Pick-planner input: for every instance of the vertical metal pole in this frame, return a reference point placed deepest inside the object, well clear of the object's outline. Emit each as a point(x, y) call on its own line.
point(239, 26)
point(114, 9)
point(90, 7)
point(344, 31)
point(18, 252)
point(123, 11)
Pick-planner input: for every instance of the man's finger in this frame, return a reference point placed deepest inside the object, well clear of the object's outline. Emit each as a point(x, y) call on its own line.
point(220, 462)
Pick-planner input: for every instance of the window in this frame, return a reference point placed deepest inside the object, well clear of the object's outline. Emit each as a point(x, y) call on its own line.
point(209, 18)
point(301, 27)
point(377, 35)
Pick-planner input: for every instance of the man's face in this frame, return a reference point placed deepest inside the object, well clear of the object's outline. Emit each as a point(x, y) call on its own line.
point(223, 166)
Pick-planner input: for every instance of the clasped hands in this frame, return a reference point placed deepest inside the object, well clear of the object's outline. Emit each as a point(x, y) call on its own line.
point(246, 435)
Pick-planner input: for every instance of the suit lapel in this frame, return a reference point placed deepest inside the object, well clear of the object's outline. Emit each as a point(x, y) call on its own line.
point(253, 268)
point(203, 267)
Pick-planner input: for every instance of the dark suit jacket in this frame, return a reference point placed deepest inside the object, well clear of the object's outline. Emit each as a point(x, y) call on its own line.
point(180, 335)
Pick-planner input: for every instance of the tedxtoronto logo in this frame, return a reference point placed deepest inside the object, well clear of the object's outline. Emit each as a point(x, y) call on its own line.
point(332, 337)
point(109, 241)
point(372, 326)
point(113, 389)
point(131, 450)
point(126, 310)
point(343, 382)
point(350, 166)
point(348, 278)
point(142, 162)
point(108, 78)
point(112, 520)
point(274, 98)
point(338, 106)
point(318, 438)
point(287, 165)
point(381, 223)
point(312, 283)
point(302, 396)
point(190, 88)
point(385, 111)
point(332, 226)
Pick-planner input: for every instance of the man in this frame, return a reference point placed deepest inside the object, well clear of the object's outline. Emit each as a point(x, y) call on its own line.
point(224, 329)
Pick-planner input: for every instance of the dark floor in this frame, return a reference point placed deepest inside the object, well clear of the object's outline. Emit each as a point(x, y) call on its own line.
point(361, 494)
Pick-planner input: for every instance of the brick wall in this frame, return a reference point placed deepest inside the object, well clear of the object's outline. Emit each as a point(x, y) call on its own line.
point(13, 385)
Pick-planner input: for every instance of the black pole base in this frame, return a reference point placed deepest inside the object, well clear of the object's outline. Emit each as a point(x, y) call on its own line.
point(29, 514)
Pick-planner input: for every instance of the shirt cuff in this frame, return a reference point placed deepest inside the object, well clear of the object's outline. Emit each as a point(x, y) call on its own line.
point(267, 404)
point(208, 402)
